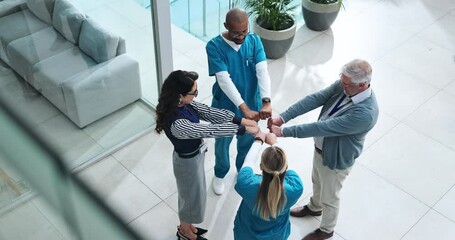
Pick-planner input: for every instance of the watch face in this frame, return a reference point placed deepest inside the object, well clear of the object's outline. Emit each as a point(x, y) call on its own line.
point(266, 100)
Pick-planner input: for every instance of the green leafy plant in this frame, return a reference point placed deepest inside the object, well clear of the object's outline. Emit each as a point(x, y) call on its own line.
point(271, 14)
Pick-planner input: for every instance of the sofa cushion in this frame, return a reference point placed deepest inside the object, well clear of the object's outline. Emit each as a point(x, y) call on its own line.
point(25, 52)
point(43, 9)
point(102, 89)
point(97, 42)
point(121, 49)
point(16, 26)
point(12, 6)
point(67, 20)
point(50, 73)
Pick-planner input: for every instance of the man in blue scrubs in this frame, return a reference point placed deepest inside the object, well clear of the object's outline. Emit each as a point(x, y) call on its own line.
point(237, 59)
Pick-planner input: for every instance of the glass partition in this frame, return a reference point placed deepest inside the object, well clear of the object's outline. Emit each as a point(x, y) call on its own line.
point(70, 209)
point(85, 83)
point(203, 19)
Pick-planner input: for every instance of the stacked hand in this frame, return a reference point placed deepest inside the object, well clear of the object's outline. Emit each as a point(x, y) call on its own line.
point(274, 125)
point(251, 126)
point(248, 113)
point(270, 138)
point(266, 111)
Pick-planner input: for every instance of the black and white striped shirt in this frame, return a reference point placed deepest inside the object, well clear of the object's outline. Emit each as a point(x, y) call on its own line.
point(218, 123)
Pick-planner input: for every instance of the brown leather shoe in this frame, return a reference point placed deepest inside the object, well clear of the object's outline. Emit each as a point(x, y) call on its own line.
point(318, 235)
point(304, 211)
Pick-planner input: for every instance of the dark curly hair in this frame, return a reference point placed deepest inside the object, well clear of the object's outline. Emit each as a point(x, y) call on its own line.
point(178, 82)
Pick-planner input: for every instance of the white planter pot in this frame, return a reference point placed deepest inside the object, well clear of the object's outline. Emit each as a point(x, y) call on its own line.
point(276, 43)
point(319, 17)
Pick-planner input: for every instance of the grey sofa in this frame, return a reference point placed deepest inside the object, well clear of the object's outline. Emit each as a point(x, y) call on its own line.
point(70, 59)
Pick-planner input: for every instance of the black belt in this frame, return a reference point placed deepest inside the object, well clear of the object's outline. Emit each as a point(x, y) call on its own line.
point(318, 150)
point(189, 155)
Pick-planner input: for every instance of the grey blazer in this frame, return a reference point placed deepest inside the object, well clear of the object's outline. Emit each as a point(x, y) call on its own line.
point(344, 134)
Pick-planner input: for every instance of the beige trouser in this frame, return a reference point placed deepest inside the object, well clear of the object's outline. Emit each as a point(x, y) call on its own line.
point(327, 184)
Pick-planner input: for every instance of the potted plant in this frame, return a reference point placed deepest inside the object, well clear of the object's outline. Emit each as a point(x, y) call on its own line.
point(320, 14)
point(274, 23)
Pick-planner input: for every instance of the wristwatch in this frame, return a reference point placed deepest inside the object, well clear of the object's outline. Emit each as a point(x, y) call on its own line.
point(266, 100)
point(259, 139)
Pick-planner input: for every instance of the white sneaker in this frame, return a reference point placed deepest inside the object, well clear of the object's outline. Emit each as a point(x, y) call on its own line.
point(218, 185)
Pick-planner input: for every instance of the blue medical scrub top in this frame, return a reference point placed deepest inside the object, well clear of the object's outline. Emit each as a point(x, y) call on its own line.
point(241, 66)
point(248, 224)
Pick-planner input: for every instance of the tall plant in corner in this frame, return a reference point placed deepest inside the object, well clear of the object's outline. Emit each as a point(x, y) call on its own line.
point(272, 14)
point(274, 23)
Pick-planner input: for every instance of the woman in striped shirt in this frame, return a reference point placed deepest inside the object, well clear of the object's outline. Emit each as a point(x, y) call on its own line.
point(178, 115)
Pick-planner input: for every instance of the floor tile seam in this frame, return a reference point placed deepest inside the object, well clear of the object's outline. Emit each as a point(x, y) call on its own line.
point(58, 113)
point(415, 224)
point(417, 107)
point(447, 92)
point(386, 132)
point(364, 9)
point(370, 6)
point(151, 190)
point(124, 19)
point(305, 42)
point(394, 185)
point(142, 214)
point(443, 215)
point(431, 40)
point(38, 94)
point(414, 76)
point(438, 44)
point(417, 33)
point(41, 136)
point(402, 190)
point(48, 219)
point(151, 208)
point(391, 50)
point(109, 152)
point(197, 62)
point(127, 17)
point(440, 199)
point(10, 207)
point(405, 122)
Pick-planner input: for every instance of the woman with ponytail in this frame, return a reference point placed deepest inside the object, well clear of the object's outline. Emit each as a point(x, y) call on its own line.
point(267, 198)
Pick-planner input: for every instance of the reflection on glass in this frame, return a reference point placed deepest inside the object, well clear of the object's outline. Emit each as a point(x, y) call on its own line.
point(80, 73)
point(69, 210)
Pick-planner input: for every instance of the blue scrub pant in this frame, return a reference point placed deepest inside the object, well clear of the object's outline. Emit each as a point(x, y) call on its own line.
point(222, 164)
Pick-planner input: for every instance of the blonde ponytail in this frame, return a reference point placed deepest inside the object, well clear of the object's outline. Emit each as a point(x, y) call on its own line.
point(271, 198)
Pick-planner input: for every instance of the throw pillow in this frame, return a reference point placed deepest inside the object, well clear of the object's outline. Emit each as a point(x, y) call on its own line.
point(67, 20)
point(97, 42)
point(42, 9)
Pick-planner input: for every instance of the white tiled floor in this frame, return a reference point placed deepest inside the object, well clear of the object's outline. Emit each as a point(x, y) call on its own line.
point(402, 187)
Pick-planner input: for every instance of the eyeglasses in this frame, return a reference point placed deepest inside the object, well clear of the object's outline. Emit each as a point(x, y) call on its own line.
point(237, 34)
point(193, 94)
point(342, 76)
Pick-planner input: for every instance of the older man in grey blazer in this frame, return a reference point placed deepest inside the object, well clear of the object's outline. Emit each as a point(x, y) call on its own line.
point(349, 112)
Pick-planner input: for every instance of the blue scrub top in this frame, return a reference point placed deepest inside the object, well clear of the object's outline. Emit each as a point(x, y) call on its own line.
point(241, 66)
point(248, 224)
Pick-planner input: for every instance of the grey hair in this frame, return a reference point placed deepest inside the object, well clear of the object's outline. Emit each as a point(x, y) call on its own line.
point(358, 70)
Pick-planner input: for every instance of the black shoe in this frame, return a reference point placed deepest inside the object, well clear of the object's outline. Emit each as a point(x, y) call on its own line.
point(318, 235)
point(201, 231)
point(304, 211)
point(180, 236)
